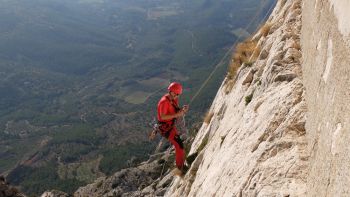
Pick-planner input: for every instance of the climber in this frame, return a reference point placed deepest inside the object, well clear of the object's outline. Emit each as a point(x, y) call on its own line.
point(168, 112)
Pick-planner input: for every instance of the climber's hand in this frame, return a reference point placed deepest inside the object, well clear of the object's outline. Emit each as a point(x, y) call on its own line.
point(152, 135)
point(185, 108)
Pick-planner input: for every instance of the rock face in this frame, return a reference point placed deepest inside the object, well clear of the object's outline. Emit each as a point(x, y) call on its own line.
point(54, 193)
point(256, 146)
point(283, 128)
point(326, 68)
point(150, 178)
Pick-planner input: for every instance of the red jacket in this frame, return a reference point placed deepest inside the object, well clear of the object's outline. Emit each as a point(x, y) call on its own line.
point(166, 107)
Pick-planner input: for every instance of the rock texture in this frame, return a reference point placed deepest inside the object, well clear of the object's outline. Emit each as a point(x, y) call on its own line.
point(257, 146)
point(283, 128)
point(7, 191)
point(150, 178)
point(326, 67)
point(54, 193)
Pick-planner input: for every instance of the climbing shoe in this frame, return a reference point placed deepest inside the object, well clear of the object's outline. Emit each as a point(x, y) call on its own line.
point(177, 172)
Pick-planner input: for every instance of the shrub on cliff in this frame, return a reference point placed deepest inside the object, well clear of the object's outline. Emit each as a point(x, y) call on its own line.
point(246, 53)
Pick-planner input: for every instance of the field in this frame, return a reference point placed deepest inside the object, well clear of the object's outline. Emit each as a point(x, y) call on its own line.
point(80, 80)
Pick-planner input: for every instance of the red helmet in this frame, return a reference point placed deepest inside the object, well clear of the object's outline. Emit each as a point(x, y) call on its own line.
point(175, 87)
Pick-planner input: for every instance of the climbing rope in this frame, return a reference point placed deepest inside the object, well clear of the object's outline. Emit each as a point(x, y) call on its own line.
point(221, 62)
point(250, 59)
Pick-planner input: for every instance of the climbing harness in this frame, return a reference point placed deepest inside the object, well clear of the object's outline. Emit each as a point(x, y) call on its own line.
point(164, 127)
point(182, 126)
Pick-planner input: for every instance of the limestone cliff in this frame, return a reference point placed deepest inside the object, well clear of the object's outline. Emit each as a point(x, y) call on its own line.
point(326, 68)
point(280, 127)
point(260, 149)
point(256, 142)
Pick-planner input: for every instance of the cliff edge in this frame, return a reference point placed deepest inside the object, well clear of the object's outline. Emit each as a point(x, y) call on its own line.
point(326, 68)
point(255, 142)
point(278, 124)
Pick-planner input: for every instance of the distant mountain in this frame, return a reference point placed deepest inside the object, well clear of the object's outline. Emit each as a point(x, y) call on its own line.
point(79, 80)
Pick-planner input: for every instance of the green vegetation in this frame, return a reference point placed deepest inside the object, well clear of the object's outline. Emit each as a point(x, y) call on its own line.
point(82, 171)
point(259, 83)
point(248, 64)
point(84, 134)
point(248, 98)
point(44, 178)
point(116, 158)
point(81, 79)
